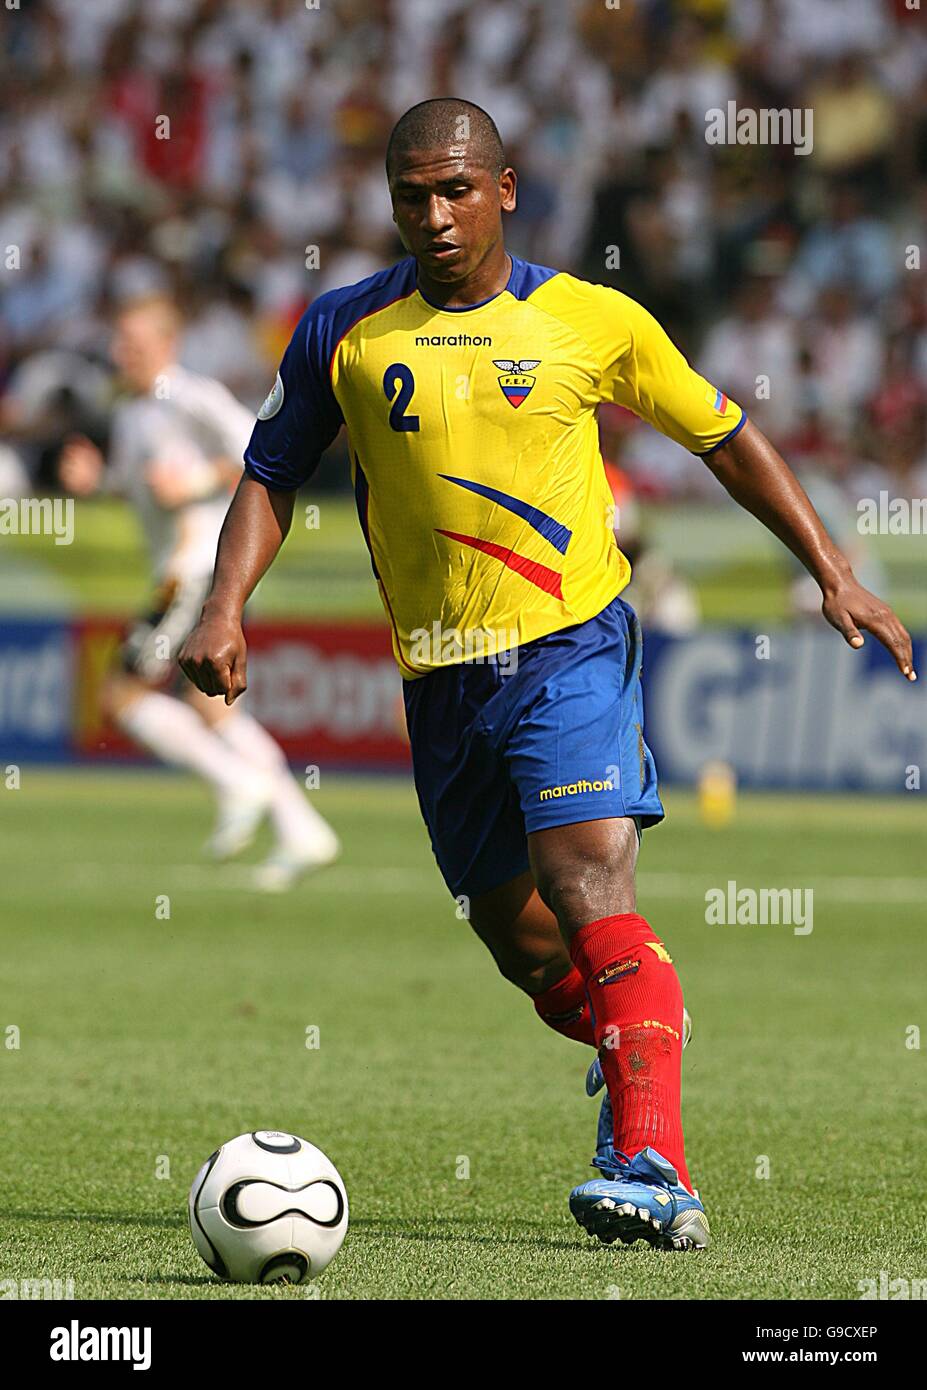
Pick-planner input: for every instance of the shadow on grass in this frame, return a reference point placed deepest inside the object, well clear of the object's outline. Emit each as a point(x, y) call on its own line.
point(448, 1230)
point(434, 1232)
point(158, 1220)
point(194, 1281)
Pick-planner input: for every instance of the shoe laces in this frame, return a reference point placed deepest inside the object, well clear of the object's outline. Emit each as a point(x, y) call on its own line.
point(618, 1166)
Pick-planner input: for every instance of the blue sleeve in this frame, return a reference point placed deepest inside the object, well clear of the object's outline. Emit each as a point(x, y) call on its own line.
point(300, 417)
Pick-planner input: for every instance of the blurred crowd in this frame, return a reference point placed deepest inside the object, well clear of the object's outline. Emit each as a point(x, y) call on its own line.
point(231, 151)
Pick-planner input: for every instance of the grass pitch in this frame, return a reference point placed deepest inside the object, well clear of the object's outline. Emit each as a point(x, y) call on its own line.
point(739, 572)
point(145, 1041)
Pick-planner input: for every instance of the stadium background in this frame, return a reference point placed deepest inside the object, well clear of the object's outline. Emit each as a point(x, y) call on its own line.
point(765, 265)
point(762, 263)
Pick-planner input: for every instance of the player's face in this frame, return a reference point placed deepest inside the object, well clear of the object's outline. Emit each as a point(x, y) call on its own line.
point(449, 210)
point(141, 346)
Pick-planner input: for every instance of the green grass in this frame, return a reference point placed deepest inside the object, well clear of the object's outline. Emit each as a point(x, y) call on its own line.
point(740, 573)
point(143, 1038)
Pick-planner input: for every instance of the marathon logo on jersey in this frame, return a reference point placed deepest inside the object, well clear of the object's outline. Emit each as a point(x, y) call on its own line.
point(621, 970)
point(453, 340)
point(717, 400)
point(515, 381)
point(576, 788)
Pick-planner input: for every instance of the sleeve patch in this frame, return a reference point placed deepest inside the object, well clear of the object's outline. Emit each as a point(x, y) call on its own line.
point(273, 401)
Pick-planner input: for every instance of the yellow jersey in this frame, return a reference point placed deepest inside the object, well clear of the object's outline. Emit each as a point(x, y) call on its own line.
point(474, 446)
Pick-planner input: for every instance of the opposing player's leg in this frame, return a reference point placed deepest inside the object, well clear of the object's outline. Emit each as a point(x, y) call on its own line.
point(227, 747)
point(173, 731)
point(304, 839)
point(139, 697)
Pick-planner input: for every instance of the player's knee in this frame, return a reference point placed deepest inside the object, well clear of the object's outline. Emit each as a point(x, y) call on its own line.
point(532, 976)
point(117, 693)
point(531, 971)
point(585, 891)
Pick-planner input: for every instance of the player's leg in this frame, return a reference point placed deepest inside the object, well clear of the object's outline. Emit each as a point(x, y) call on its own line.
point(477, 833)
point(135, 697)
point(586, 780)
point(304, 838)
point(585, 873)
point(525, 941)
point(175, 734)
point(524, 938)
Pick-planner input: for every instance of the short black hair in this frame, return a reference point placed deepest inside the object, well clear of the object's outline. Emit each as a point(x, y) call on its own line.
point(445, 121)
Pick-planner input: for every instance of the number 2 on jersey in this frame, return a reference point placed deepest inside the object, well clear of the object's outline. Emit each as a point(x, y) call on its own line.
point(402, 374)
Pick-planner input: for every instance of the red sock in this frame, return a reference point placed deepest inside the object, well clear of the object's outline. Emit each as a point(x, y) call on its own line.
point(564, 1008)
point(636, 1002)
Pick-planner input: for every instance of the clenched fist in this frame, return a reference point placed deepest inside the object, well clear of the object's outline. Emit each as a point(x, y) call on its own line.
point(215, 657)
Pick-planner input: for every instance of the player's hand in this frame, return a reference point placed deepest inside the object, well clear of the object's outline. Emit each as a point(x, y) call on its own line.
point(175, 482)
point(852, 610)
point(80, 466)
point(215, 657)
point(167, 483)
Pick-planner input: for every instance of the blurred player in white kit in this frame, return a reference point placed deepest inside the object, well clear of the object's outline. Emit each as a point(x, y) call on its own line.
point(175, 454)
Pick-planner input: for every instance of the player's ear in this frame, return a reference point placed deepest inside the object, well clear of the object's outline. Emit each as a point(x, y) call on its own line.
point(508, 182)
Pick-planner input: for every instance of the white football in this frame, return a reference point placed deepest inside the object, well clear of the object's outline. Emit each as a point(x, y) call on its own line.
point(267, 1208)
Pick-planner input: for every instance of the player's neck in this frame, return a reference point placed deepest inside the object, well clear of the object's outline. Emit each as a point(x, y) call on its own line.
point(488, 279)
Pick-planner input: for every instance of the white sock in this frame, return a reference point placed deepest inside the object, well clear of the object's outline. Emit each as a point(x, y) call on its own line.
point(173, 730)
point(295, 819)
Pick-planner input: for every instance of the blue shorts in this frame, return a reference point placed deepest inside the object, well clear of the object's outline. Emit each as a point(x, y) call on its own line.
point(550, 733)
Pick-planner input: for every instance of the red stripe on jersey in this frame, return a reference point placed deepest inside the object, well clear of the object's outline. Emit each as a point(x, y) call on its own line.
point(535, 573)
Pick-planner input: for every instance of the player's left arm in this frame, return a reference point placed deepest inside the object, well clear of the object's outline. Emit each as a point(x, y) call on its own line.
point(645, 371)
point(760, 480)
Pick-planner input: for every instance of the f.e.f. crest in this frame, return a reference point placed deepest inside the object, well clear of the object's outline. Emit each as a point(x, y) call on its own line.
point(515, 381)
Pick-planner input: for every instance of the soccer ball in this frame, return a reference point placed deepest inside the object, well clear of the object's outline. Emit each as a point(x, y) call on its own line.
point(268, 1208)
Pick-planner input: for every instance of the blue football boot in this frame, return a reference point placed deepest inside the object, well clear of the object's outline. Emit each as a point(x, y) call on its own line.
point(610, 1165)
point(640, 1198)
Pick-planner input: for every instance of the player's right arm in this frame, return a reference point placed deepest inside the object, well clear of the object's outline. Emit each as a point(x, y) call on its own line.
point(295, 425)
point(214, 656)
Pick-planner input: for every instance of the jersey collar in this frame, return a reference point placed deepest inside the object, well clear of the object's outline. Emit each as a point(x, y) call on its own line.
point(469, 308)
